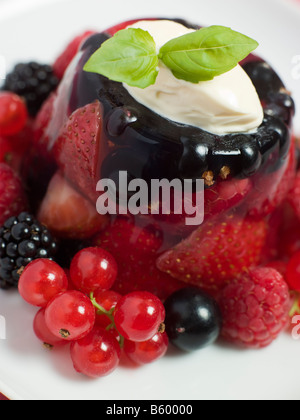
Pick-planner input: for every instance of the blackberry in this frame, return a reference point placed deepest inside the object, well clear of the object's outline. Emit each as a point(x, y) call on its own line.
point(32, 81)
point(22, 239)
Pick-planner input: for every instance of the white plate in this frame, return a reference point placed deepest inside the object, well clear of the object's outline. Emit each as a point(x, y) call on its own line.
point(39, 30)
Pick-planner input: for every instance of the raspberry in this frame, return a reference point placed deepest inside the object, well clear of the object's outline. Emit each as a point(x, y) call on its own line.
point(255, 308)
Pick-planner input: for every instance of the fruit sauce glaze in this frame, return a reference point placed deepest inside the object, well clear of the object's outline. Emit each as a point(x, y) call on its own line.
point(90, 128)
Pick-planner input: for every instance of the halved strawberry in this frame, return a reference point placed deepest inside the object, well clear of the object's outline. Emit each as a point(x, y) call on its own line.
point(67, 213)
point(216, 252)
point(40, 137)
point(77, 148)
point(135, 250)
point(61, 63)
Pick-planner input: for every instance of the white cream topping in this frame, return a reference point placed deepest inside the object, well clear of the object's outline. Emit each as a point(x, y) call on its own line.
point(227, 104)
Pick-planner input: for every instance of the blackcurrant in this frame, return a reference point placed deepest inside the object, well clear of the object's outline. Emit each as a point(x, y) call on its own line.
point(193, 319)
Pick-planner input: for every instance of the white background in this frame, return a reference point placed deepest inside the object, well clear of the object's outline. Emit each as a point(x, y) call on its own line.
point(39, 30)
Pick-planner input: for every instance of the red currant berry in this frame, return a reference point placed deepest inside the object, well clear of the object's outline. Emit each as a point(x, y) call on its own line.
point(13, 114)
point(139, 315)
point(108, 300)
point(41, 280)
point(293, 272)
point(42, 332)
point(70, 315)
point(98, 354)
point(93, 268)
point(147, 351)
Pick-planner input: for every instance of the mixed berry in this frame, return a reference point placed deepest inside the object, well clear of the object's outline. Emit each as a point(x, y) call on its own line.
point(132, 285)
point(33, 82)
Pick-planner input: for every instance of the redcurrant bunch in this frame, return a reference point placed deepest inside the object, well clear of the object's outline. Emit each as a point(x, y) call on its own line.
point(77, 306)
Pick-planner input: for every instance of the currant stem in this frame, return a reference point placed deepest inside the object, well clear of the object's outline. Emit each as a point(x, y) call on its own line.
point(296, 307)
point(109, 314)
point(101, 310)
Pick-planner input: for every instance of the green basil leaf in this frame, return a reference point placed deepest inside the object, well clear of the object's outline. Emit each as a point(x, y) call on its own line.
point(130, 56)
point(206, 53)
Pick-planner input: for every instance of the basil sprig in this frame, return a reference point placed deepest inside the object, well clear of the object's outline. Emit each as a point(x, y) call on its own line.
point(131, 56)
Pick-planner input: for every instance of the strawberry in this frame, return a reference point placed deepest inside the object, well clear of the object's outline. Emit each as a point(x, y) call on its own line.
point(225, 195)
point(77, 148)
point(294, 196)
point(12, 196)
point(145, 276)
point(114, 29)
point(128, 242)
point(40, 138)
point(135, 250)
point(278, 187)
point(271, 248)
point(67, 213)
point(217, 252)
point(62, 62)
point(220, 197)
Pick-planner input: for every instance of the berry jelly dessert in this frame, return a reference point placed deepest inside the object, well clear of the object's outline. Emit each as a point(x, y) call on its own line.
point(233, 132)
point(158, 179)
